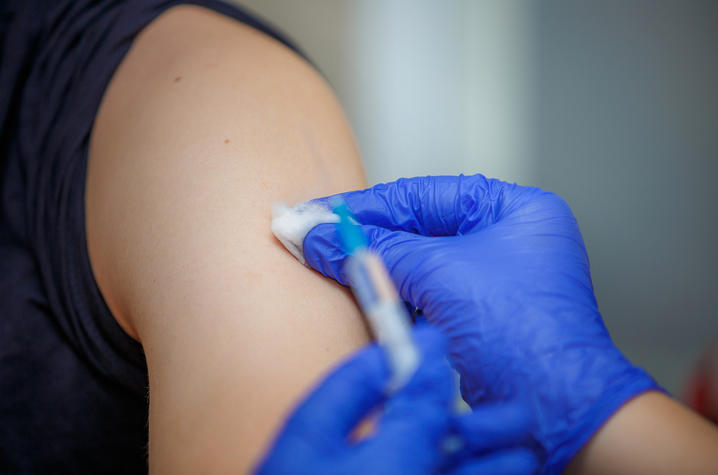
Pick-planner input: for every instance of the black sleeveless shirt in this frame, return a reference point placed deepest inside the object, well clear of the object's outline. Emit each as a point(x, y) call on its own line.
point(73, 384)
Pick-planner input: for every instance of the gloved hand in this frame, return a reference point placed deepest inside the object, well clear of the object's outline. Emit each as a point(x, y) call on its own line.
point(502, 270)
point(409, 436)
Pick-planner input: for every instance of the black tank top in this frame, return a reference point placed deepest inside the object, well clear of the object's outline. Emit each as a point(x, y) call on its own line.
point(73, 384)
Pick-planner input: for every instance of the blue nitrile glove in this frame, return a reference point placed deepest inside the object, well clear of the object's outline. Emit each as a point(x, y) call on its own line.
point(502, 270)
point(408, 439)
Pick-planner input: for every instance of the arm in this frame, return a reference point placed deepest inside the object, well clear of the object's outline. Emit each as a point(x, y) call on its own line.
point(652, 434)
point(205, 123)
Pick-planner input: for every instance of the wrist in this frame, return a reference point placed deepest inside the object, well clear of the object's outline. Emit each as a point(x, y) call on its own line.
point(574, 387)
point(594, 412)
point(650, 434)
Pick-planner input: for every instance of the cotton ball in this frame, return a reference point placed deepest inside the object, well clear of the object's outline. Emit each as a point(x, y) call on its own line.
point(291, 225)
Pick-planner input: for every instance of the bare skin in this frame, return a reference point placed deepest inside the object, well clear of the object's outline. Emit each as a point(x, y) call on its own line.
point(652, 434)
point(205, 123)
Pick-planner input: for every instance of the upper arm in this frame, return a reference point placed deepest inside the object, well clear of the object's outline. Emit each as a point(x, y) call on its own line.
point(205, 123)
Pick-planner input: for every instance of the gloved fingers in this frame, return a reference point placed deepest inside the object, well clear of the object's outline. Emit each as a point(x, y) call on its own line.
point(510, 462)
point(344, 397)
point(402, 252)
point(432, 382)
point(418, 416)
point(432, 373)
point(432, 205)
point(494, 425)
point(323, 252)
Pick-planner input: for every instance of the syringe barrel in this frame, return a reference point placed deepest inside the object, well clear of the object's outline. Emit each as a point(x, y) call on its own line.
point(385, 312)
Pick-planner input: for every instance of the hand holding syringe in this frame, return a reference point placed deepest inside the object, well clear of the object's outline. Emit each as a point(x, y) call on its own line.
point(417, 431)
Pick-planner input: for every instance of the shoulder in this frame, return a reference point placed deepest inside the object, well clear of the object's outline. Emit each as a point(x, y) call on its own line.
point(202, 110)
point(205, 123)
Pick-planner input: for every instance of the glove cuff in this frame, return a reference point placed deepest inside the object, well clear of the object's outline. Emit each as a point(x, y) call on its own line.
point(633, 382)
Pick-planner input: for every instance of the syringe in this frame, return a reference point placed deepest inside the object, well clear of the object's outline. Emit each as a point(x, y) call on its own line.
point(378, 298)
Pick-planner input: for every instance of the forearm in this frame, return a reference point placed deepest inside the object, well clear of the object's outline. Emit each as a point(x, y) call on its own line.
point(652, 434)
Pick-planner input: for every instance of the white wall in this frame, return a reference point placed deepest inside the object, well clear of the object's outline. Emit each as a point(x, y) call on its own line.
point(430, 87)
point(612, 103)
point(626, 129)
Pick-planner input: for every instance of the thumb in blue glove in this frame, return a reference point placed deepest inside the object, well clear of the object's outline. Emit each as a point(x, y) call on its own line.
point(503, 272)
point(315, 438)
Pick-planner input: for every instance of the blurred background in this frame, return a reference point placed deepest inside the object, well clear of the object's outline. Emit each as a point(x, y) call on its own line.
point(611, 104)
